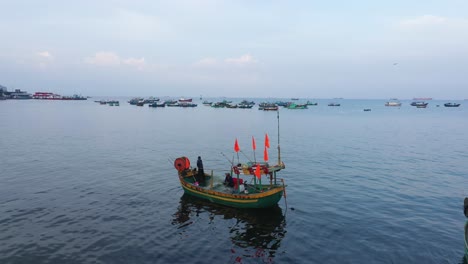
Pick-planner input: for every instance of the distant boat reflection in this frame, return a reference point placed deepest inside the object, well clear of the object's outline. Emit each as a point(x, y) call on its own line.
point(259, 230)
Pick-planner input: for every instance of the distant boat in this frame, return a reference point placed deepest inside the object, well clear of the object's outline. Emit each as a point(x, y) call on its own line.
point(367, 110)
point(151, 100)
point(245, 106)
point(268, 107)
point(187, 104)
point(297, 106)
point(185, 100)
point(231, 106)
point(157, 104)
point(310, 103)
point(134, 101)
point(392, 104)
point(419, 104)
point(451, 105)
point(334, 104)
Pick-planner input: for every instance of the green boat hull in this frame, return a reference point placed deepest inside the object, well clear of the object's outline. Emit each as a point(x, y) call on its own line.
point(466, 240)
point(237, 202)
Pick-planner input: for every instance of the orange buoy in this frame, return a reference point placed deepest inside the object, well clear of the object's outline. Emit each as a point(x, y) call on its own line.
point(182, 163)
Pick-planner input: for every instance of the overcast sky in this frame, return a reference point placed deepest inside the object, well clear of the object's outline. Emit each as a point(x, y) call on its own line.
point(306, 49)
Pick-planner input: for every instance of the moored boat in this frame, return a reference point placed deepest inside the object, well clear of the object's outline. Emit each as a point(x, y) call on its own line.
point(157, 104)
point(185, 100)
point(134, 101)
point(419, 104)
point(422, 98)
point(451, 105)
point(297, 106)
point(392, 103)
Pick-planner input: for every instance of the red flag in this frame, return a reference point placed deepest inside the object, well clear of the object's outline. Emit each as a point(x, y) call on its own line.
point(265, 154)
point(254, 146)
point(236, 146)
point(258, 173)
point(267, 141)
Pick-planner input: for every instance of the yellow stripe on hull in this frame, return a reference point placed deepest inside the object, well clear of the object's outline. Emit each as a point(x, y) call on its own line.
point(235, 200)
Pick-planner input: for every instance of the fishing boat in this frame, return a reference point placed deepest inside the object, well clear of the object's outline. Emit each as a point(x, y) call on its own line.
point(268, 107)
point(185, 100)
point(157, 104)
point(297, 106)
point(419, 104)
point(263, 190)
point(451, 105)
point(272, 107)
point(465, 211)
point(422, 98)
point(393, 103)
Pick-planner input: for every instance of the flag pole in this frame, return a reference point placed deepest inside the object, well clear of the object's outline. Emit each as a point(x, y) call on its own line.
point(279, 152)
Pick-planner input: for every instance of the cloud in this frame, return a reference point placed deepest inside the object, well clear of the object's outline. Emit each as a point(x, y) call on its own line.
point(242, 60)
point(111, 59)
point(104, 59)
point(423, 21)
point(246, 59)
point(206, 62)
point(45, 54)
point(138, 63)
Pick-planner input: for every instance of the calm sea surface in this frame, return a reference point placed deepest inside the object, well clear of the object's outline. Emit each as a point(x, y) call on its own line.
point(87, 183)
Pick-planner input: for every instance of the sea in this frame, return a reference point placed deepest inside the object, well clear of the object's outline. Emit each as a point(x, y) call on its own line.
point(82, 182)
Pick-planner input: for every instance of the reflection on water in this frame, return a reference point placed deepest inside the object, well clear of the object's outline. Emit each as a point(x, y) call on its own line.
point(256, 232)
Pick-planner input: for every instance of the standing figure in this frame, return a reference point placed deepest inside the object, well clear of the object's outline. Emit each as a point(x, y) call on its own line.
point(201, 173)
point(228, 181)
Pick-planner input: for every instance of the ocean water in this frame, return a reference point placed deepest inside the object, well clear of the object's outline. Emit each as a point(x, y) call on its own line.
point(87, 183)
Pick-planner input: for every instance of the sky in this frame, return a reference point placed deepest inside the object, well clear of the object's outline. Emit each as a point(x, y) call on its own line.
point(241, 48)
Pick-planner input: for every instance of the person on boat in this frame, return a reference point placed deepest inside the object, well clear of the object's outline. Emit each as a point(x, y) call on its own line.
point(201, 172)
point(228, 181)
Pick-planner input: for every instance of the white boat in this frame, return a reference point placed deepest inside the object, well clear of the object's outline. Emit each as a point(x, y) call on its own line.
point(393, 103)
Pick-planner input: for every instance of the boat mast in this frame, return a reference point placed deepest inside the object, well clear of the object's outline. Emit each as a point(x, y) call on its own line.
point(279, 152)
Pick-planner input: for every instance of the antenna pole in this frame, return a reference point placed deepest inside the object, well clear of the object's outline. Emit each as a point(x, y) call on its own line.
point(279, 152)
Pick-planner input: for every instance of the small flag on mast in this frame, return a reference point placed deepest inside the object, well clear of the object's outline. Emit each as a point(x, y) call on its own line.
point(265, 154)
point(254, 146)
point(257, 171)
point(267, 141)
point(236, 146)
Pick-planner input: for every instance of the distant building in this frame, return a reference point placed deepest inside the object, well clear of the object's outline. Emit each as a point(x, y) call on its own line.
point(17, 94)
point(2, 89)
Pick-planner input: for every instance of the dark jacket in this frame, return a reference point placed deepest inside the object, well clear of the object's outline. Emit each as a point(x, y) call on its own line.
point(200, 164)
